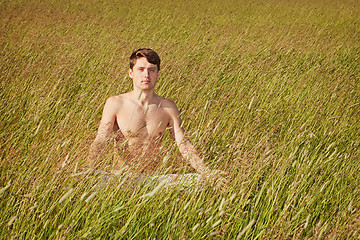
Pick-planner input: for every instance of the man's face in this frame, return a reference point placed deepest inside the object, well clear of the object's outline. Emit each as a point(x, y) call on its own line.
point(144, 74)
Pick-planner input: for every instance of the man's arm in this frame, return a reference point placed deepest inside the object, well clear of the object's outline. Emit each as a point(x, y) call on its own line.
point(187, 149)
point(104, 131)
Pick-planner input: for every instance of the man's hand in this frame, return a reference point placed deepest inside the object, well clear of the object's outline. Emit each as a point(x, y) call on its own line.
point(214, 177)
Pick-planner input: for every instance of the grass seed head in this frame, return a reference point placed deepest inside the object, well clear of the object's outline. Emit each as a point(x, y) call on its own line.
point(66, 195)
point(195, 227)
point(45, 224)
point(232, 197)
point(209, 219)
point(245, 229)
point(217, 223)
point(187, 205)
point(33, 207)
point(222, 204)
point(222, 212)
point(2, 190)
point(215, 233)
point(91, 197)
point(83, 196)
point(12, 220)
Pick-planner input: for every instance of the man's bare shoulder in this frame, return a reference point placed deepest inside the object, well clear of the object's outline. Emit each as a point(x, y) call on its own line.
point(167, 103)
point(118, 99)
point(169, 107)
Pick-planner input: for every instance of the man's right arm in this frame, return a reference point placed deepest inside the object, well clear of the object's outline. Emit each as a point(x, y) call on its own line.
point(105, 129)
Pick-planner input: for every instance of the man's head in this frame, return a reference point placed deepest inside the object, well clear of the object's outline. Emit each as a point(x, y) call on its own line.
point(150, 55)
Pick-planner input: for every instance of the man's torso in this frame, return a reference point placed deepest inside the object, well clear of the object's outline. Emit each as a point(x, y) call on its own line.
point(141, 127)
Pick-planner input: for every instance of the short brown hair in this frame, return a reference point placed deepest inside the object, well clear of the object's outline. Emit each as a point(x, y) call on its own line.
point(150, 55)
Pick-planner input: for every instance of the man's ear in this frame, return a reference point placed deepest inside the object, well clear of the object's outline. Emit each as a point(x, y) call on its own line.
point(130, 73)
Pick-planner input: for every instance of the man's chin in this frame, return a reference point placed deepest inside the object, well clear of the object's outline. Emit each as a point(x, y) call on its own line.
point(146, 88)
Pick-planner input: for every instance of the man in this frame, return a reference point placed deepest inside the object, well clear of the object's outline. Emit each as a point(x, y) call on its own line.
point(140, 118)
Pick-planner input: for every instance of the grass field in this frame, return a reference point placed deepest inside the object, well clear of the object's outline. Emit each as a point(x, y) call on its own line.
point(268, 90)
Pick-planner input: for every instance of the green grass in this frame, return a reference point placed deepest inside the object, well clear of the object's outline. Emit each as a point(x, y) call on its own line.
point(268, 90)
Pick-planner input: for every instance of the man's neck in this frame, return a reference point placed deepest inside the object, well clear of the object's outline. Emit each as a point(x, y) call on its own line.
point(143, 97)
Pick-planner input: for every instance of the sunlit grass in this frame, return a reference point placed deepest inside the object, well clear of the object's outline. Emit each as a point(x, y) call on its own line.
point(268, 90)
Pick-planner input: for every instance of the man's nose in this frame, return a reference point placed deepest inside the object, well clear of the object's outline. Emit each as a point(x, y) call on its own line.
point(146, 72)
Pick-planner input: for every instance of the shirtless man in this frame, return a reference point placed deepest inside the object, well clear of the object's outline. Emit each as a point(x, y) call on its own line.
point(140, 118)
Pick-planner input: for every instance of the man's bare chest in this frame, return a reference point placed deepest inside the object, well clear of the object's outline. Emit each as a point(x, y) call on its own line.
point(135, 121)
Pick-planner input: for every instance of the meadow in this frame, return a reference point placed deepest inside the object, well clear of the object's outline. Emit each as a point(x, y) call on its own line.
point(267, 90)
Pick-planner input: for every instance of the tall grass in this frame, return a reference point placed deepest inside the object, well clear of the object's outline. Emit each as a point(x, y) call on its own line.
point(268, 90)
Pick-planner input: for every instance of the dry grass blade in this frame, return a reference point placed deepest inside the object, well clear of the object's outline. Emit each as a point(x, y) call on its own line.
point(245, 229)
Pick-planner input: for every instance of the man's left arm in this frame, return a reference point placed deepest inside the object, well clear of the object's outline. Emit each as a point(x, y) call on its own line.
point(188, 150)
